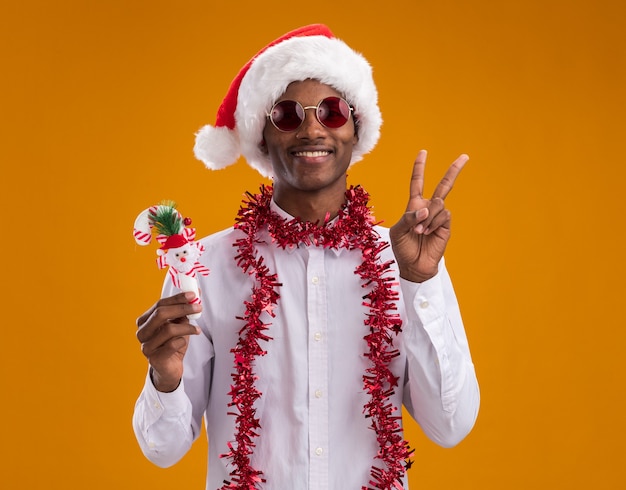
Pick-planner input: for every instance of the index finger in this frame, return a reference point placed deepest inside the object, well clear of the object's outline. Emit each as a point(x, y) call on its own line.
point(417, 177)
point(180, 298)
point(445, 185)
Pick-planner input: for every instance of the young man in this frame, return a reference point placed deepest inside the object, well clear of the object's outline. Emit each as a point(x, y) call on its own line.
point(313, 331)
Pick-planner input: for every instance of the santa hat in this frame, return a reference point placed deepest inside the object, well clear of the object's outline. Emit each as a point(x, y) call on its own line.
point(309, 52)
point(174, 241)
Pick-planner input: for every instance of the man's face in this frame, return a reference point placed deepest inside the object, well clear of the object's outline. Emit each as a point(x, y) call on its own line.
point(313, 157)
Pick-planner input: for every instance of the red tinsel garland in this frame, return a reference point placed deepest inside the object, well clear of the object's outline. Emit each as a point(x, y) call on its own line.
point(353, 229)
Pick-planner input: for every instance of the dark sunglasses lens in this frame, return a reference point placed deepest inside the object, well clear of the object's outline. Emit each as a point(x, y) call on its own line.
point(287, 115)
point(333, 112)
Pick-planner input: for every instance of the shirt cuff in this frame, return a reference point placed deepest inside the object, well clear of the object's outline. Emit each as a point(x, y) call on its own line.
point(159, 403)
point(424, 301)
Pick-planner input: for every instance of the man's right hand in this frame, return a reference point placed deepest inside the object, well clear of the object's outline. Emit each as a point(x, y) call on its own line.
point(164, 332)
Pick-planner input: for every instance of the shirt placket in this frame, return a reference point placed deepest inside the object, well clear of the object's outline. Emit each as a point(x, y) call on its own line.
point(318, 370)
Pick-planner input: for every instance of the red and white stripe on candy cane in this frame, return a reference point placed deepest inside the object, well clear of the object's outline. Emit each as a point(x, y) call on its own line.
point(199, 268)
point(142, 237)
point(142, 229)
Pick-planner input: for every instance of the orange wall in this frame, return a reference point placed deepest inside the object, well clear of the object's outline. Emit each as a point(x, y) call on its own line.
point(99, 102)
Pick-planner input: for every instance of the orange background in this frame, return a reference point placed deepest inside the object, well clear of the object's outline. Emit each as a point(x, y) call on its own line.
point(99, 105)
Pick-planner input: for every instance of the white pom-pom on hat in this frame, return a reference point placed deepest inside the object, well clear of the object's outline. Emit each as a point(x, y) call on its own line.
point(217, 147)
point(311, 52)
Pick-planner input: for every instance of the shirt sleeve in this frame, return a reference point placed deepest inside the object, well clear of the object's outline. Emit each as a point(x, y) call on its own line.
point(162, 424)
point(441, 389)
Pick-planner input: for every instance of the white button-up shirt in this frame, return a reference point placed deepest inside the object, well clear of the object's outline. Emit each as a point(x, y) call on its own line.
point(313, 432)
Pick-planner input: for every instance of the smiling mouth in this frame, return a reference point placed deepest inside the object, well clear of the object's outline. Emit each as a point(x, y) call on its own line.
point(312, 154)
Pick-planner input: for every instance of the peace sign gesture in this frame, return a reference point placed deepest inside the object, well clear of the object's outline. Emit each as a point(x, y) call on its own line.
point(420, 237)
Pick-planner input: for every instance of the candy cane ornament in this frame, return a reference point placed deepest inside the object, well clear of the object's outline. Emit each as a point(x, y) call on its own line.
point(179, 251)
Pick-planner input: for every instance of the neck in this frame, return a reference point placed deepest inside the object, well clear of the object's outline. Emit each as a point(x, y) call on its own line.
point(312, 206)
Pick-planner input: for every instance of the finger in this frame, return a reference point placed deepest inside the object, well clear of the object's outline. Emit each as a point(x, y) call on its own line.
point(411, 219)
point(170, 338)
point(440, 222)
point(165, 315)
point(435, 207)
point(417, 177)
point(180, 298)
point(445, 186)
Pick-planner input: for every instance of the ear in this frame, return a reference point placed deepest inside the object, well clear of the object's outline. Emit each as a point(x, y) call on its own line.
point(263, 147)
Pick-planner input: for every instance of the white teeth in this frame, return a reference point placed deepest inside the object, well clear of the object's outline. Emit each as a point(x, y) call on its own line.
point(311, 154)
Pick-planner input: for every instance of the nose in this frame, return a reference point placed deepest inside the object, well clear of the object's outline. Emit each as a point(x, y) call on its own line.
point(310, 127)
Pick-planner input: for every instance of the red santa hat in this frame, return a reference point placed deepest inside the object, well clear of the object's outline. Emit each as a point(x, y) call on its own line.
point(309, 52)
point(174, 241)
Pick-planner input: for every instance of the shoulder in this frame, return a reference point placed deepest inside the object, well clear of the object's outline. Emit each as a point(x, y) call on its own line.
point(387, 253)
point(219, 239)
point(383, 232)
point(218, 249)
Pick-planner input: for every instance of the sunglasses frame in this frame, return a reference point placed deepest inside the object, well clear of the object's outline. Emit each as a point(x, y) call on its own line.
point(304, 108)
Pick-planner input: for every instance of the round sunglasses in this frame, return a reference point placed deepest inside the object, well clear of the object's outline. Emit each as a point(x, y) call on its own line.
point(331, 112)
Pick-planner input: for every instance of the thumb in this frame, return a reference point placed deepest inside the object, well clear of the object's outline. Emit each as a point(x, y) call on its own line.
point(413, 218)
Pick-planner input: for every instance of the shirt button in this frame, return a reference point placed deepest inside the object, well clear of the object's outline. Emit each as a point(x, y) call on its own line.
point(319, 451)
point(315, 280)
point(424, 304)
point(317, 336)
point(151, 445)
point(318, 393)
point(157, 405)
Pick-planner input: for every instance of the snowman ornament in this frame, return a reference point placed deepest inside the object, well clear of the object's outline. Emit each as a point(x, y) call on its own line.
point(179, 251)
